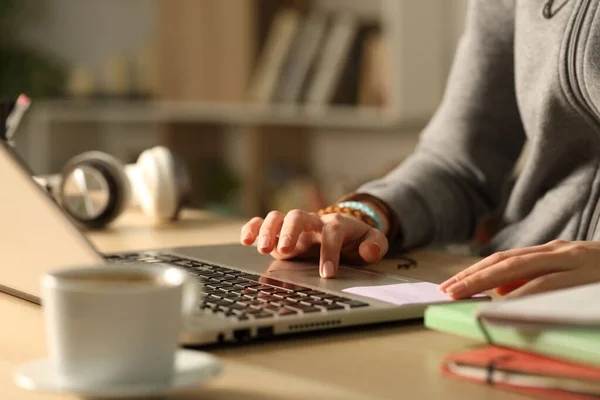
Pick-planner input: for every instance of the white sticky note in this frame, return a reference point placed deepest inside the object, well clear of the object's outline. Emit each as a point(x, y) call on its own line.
point(402, 293)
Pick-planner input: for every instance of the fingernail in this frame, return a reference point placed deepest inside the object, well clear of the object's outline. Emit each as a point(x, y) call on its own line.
point(285, 242)
point(378, 247)
point(328, 270)
point(263, 242)
point(457, 289)
point(247, 237)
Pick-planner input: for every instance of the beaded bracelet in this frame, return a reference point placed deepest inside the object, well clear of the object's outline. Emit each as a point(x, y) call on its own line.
point(394, 233)
point(357, 209)
point(363, 207)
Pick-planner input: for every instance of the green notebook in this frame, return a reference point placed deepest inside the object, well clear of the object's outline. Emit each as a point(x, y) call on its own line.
point(576, 344)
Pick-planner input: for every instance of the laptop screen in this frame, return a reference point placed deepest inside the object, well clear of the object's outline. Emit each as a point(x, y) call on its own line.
point(35, 235)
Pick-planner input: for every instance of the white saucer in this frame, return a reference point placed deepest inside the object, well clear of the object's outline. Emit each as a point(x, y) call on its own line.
point(192, 368)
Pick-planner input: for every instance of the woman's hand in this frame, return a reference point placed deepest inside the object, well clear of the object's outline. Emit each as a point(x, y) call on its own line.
point(555, 265)
point(302, 235)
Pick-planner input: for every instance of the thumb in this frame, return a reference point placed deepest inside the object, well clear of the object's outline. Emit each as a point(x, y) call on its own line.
point(374, 246)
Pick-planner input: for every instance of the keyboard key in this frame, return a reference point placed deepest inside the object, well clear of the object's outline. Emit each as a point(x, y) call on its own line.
point(323, 296)
point(257, 304)
point(330, 307)
point(232, 296)
point(302, 290)
point(212, 286)
point(183, 263)
point(354, 303)
point(282, 312)
point(270, 307)
point(262, 315)
point(311, 310)
point(264, 287)
point(239, 299)
point(224, 285)
point(249, 291)
point(337, 299)
point(285, 285)
point(236, 281)
point(242, 317)
point(219, 269)
point(296, 298)
point(303, 308)
point(206, 275)
point(270, 281)
point(249, 277)
point(313, 293)
point(246, 284)
point(229, 278)
point(268, 299)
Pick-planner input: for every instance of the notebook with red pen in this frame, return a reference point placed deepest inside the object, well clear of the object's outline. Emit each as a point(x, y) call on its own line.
point(525, 372)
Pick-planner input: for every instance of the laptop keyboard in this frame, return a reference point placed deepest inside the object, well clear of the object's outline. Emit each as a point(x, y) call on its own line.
point(241, 296)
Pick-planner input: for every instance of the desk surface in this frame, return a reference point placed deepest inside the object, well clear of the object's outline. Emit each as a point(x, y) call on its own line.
point(383, 362)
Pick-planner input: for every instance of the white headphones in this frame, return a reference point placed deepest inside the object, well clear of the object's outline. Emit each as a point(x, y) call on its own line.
point(94, 187)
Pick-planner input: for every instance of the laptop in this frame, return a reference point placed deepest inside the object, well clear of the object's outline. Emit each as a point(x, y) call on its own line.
point(247, 295)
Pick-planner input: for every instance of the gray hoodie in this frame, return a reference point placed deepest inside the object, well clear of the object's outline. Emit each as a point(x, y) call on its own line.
point(525, 70)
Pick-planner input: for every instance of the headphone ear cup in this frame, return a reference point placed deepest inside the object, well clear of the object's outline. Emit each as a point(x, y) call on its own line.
point(155, 183)
point(118, 191)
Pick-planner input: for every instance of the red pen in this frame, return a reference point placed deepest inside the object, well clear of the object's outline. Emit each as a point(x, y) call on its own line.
point(14, 118)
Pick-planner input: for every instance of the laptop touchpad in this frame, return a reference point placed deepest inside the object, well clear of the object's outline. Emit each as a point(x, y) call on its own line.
point(347, 276)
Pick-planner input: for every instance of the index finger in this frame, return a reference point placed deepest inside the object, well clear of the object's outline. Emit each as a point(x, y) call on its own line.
point(494, 259)
point(250, 230)
point(514, 269)
point(332, 239)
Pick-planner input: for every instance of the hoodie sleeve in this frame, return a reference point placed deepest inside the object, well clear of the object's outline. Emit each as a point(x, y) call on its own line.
point(470, 146)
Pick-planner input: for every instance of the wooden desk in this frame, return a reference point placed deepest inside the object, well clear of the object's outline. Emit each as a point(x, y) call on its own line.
point(394, 361)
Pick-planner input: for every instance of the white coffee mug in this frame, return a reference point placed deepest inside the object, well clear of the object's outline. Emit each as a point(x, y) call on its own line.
point(110, 325)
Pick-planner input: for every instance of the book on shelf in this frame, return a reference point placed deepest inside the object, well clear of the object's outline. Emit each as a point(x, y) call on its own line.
point(301, 58)
point(318, 58)
point(376, 78)
point(332, 60)
point(273, 57)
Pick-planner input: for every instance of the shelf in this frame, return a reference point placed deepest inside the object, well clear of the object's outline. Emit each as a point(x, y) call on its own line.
point(234, 114)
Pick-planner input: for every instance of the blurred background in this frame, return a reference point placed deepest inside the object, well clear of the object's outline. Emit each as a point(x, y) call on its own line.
point(272, 104)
